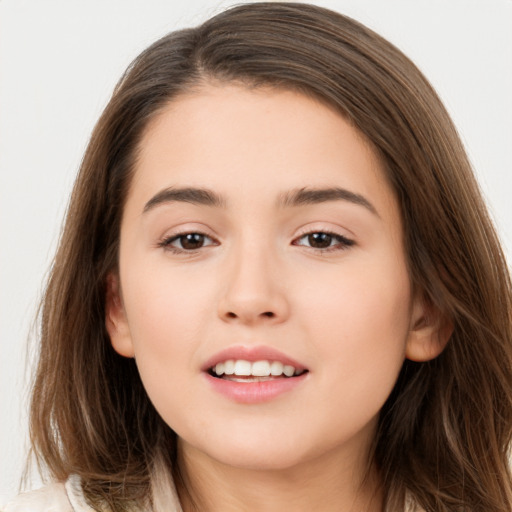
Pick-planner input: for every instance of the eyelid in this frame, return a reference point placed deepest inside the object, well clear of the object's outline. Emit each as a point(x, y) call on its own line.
point(343, 241)
point(165, 241)
point(325, 227)
point(184, 228)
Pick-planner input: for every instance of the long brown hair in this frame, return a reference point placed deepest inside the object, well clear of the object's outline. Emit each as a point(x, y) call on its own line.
point(444, 433)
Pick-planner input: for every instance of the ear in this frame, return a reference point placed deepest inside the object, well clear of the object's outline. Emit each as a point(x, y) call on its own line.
point(115, 318)
point(429, 332)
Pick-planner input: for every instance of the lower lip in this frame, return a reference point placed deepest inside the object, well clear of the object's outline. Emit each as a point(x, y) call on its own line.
point(254, 392)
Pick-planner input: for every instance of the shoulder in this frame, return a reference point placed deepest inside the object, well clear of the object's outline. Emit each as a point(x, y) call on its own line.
point(57, 497)
point(52, 498)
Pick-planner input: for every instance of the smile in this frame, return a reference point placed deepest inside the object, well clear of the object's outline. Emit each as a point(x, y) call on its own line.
point(241, 370)
point(254, 374)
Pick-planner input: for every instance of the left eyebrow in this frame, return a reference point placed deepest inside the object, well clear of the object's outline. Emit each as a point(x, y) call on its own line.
point(199, 196)
point(306, 196)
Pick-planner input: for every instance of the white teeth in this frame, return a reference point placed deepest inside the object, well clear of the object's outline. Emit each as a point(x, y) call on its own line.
point(262, 368)
point(288, 370)
point(276, 368)
point(229, 367)
point(242, 367)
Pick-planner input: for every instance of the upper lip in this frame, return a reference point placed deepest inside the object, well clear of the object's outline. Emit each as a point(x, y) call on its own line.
point(252, 354)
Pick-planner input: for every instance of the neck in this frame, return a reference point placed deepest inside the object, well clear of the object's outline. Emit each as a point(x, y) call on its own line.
point(208, 485)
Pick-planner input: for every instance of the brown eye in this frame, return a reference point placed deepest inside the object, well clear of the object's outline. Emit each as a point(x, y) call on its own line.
point(320, 240)
point(324, 241)
point(187, 242)
point(191, 241)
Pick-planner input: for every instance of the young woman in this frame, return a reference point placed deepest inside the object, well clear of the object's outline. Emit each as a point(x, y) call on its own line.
point(278, 286)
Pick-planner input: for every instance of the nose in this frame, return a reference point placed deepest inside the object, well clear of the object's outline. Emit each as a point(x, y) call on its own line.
point(254, 292)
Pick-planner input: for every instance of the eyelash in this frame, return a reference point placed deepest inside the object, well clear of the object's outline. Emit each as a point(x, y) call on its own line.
point(167, 241)
point(343, 243)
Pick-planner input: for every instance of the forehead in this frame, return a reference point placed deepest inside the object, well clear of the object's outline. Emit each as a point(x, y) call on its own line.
point(252, 143)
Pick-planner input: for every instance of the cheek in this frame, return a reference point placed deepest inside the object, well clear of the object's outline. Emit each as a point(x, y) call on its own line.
point(168, 317)
point(360, 319)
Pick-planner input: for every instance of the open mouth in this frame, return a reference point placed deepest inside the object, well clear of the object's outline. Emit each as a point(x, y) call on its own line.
point(241, 370)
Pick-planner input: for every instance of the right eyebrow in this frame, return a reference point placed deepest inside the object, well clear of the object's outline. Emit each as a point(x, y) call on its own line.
point(306, 195)
point(200, 196)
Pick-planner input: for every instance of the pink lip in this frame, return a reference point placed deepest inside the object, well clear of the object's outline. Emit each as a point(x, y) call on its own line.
point(253, 392)
point(259, 353)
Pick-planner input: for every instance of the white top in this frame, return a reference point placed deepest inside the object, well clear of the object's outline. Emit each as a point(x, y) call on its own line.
point(68, 497)
point(58, 497)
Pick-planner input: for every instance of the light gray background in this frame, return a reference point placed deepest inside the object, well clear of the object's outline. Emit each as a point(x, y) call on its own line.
point(59, 60)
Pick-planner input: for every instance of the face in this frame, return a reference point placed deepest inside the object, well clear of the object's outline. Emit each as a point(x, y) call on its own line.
point(260, 237)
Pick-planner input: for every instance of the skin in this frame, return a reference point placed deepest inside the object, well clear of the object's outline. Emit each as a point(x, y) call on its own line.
point(347, 313)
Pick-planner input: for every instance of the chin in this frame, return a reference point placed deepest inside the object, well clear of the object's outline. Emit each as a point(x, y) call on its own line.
point(261, 460)
point(263, 451)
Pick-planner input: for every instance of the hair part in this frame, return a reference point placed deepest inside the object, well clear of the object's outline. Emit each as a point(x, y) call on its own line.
point(444, 433)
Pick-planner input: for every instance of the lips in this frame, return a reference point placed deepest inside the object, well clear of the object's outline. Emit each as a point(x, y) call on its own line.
point(252, 355)
point(253, 374)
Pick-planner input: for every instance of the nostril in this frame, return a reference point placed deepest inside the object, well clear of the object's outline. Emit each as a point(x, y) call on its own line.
point(248, 316)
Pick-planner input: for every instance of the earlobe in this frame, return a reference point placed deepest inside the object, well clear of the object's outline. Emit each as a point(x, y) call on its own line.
point(429, 332)
point(115, 318)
